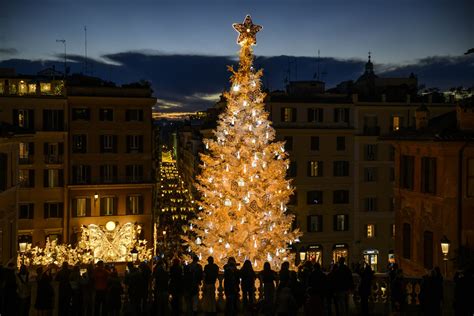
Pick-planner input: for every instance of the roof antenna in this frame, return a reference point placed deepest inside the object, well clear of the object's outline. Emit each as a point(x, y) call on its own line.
point(85, 50)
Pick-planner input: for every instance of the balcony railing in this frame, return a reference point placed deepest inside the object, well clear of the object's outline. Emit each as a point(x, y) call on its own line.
point(53, 159)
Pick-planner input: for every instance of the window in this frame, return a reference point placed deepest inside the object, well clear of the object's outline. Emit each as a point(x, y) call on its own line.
point(288, 143)
point(340, 197)
point(407, 172)
point(370, 174)
point(370, 204)
point(3, 172)
point(370, 230)
point(134, 173)
point(108, 206)
point(27, 178)
point(53, 178)
point(79, 143)
point(54, 237)
point(341, 168)
point(391, 153)
point(24, 118)
point(341, 115)
point(288, 115)
point(27, 210)
point(134, 204)
point(53, 120)
point(134, 115)
point(81, 206)
point(370, 152)
point(293, 199)
point(314, 197)
point(315, 143)
point(32, 88)
point(108, 173)
point(371, 127)
point(397, 123)
point(391, 175)
point(315, 168)
point(341, 222)
point(428, 175)
point(26, 152)
point(314, 223)
point(45, 87)
point(28, 239)
point(81, 114)
point(53, 152)
point(22, 88)
point(470, 177)
point(292, 170)
point(53, 210)
point(315, 115)
point(340, 143)
point(81, 174)
point(406, 251)
point(108, 143)
point(106, 115)
point(428, 250)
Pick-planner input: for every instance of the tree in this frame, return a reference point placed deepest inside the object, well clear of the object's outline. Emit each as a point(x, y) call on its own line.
point(242, 212)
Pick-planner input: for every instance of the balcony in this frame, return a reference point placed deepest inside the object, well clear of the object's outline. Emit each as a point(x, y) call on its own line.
point(371, 131)
point(53, 159)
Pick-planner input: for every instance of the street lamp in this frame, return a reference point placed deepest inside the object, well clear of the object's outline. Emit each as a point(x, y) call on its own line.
point(445, 243)
point(134, 254)
point(302, 254)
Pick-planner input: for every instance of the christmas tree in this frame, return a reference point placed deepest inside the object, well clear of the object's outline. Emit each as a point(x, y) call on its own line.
point(242, 212)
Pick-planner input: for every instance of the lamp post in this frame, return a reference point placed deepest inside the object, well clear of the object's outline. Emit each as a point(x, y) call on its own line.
point(445, 243)
point(134, 254)
point(302, 254)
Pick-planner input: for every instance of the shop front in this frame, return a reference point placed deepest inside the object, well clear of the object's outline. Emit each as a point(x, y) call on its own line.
point(338, 251)
point(314, 254)
point(371, 258)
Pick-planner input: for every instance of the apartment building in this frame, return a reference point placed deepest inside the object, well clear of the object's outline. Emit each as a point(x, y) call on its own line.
point(434, 190)
point(89, 158)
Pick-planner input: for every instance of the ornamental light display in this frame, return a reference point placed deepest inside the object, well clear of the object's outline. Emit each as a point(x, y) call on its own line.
point(243, 185)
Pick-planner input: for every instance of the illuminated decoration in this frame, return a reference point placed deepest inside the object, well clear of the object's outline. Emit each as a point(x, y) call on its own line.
point(110, 225)
point(243, 209)
point(96, 243)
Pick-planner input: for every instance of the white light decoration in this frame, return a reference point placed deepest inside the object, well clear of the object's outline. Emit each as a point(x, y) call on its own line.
point(241, 182)
point(110, 226)
point(236, 88)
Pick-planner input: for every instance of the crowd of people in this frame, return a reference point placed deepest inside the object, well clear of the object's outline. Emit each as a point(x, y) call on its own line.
point(174, 289)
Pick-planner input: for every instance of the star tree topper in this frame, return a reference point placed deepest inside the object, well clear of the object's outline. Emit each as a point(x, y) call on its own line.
point(247, 31)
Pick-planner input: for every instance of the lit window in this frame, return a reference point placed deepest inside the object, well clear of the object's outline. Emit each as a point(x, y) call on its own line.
point(32, 88)
point(22, 88)
point(396, 122)
point(81, 206)
point(45, 87)
point(24, 150)
point(134, 204)
point(370, 231)
point(107, 205)
point(315, 168)
point(1, 88)
point(288, 115)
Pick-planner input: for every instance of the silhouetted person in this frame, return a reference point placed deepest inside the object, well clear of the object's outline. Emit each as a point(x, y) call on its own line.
point(344, 284)
point(175, 286)
point(23, 291)
point(145, 278)
point(365, 287)
point(268, 277)
point(211, 271)
point(247, 276)
point(284, 275)
point(196, 272)
point(114, 294)
point(161, 278)
point(75, 280)
point(285, 302)
point(87, 290)
point(316, 292)
point(64, 290)
point(331, 291)
point(397, 290)
point(10, 295)
point(44, 292)
point(431, 294)
point(134, 288)
point(231, 286)
point(101, 277)
point(463, 302)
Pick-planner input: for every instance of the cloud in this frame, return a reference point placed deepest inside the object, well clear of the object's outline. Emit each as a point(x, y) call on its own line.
point(8, 51)
point(194, 82)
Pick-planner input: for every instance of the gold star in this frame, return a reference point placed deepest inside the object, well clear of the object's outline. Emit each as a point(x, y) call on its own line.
point(247, 31)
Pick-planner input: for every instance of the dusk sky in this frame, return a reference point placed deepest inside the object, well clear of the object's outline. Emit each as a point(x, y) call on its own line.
point(400, 34)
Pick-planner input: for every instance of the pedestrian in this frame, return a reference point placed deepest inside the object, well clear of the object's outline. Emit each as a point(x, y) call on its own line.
point(331, 290)
point(144, 280)
point(10, 287)
point(211, 271)
point(284, 275)
point(343, 286)
point(431, 294)
point(101, 276)
point(23, 291)
point(297, 289)
point(76, 293)
point(44, 292)
point(397, 290)
point(134, 287)
point(196, 278)
point(114, 294)
point(248, 276)
point(317, 292)
point(231, 286)
point(268, 277)
point(285, 303)
point(87, 290)
point(176, 286)
point(64, 290)
point(161, 279)
point(365, 288)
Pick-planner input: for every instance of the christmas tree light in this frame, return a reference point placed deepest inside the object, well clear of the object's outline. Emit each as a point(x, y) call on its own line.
point(242, 181)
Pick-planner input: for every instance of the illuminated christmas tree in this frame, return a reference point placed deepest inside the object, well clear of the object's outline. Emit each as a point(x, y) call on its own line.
point(242, 182)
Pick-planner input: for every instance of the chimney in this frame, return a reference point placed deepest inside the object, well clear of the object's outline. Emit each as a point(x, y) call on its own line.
point(465, 115)
point(421, 117)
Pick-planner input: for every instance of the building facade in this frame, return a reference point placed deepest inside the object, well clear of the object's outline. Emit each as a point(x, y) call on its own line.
point(89, 159)
point(434, 190)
